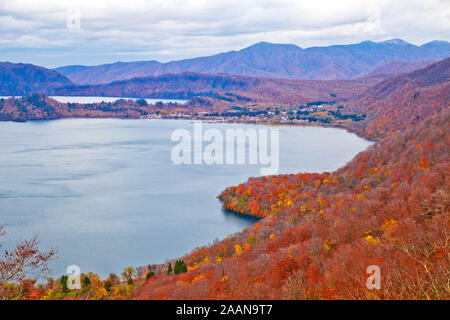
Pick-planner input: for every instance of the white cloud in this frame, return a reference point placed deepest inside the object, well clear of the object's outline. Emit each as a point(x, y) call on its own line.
point(173, 29)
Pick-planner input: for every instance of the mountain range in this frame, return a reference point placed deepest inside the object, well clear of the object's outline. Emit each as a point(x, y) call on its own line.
point(286, 61)
point(261, 70)
point(385, 104)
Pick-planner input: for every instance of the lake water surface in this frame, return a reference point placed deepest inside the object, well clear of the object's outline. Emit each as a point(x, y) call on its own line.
point(106, 194)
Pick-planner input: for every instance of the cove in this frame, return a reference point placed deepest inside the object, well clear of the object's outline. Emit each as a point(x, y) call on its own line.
point(106, 195)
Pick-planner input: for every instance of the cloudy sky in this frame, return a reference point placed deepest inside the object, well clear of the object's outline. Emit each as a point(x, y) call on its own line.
point(61, 32)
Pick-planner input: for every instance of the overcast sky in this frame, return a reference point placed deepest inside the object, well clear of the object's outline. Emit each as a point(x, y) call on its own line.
point(62, 32)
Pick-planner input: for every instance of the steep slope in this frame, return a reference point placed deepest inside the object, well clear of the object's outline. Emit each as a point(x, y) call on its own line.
point(273, 61)
point(22, 79)
point(402, 100)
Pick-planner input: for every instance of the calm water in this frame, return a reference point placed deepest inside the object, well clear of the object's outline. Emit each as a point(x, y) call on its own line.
point(105, 193)
point(85, 99)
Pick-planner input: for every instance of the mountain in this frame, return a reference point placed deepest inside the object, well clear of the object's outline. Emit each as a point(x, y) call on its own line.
point(270, 60)
point(188, 85)
point(22, 79)
point(394, 67)
point(402, 100)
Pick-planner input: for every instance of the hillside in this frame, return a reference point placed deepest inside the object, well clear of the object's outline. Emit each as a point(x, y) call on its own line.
point(188, 85)
point(402, 100)
point(270, 60)
point(395, 67)
point(22, 79)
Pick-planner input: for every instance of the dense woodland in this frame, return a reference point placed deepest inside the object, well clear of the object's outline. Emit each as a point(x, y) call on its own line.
point(319, 232)
point(402, 100)
point(388, 207)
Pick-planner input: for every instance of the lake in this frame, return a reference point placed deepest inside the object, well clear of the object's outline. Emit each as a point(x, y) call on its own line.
point(86, 99)
point(106, 195)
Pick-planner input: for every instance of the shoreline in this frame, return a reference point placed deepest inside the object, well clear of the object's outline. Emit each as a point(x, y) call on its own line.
point(203, 120)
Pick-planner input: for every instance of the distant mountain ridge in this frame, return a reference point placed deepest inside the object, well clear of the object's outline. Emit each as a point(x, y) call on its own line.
point(22, 79)
point(189, 84)
point(287, 61)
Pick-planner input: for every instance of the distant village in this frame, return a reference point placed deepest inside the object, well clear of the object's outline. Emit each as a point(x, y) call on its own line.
point(314, 113)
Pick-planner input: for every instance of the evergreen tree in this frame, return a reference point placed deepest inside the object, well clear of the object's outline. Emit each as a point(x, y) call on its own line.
point(149, 275)
point(183, 267)
point(169, 269)
point(180, 267)
point(86, 282)
point(63, 282)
